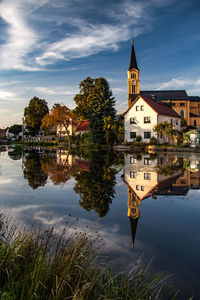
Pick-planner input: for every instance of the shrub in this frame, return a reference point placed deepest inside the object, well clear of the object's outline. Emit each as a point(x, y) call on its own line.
point(153, 141)
point(138, 138)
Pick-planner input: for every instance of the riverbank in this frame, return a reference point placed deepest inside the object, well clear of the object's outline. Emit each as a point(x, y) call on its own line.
point(43, 265)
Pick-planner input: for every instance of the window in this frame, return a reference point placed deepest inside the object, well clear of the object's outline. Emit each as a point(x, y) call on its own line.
point(137, 187)
point(142, 188)
point(182, 113)
point(176, 122)
point(147, 176)
point(133, 88)
point(132, 121)
point(147, 135)
point(195, 122)
point(137, 108)
point(171, 122)
point(133, 174)
point(142, 107)
point(182, 104)
point(147, 161)
point(133, 75)
point(147, 119)
point(133, 160)
point(132, 135)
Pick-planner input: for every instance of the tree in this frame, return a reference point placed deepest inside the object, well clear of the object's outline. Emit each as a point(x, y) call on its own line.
point(166, 130)
point(34, 113)
point(15, 129)
point(60, 116)
point(94, 103)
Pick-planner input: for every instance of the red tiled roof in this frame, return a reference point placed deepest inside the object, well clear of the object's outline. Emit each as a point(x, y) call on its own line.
point(83, 127)
point(160, 108)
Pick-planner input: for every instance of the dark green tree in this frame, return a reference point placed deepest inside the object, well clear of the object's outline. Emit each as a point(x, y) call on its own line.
point(34, 114)
point(94, 103)
point(15, 129)
point(96, 187)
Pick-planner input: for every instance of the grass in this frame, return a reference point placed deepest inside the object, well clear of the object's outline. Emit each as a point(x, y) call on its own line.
point(43, 265)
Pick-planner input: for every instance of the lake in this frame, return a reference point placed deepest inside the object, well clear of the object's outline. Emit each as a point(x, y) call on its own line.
point(142, 205)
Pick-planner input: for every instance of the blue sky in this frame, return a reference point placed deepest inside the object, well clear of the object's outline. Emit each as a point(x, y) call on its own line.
point(47, 47)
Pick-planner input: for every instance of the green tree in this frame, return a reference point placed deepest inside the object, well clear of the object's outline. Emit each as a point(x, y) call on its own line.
point(34, 113)
point(94, 103)
point(166, 129)
point(15, 129)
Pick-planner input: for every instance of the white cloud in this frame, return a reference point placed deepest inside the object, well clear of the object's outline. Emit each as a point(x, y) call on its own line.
point(21, 38)
point(56, 91)
point(129, 18)
point(7, 95)
point(181, 83)
point(92, 39)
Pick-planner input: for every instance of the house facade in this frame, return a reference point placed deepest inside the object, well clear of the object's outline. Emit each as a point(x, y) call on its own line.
point(143, 115)
point(149, 108)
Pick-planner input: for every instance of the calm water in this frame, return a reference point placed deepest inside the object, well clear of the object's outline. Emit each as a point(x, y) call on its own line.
point(140, 204)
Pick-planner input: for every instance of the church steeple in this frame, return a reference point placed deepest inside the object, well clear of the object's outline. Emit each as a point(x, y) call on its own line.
point(133, 60)
point(133, 78)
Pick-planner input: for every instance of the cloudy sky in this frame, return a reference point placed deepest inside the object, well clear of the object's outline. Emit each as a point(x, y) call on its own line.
point(47, 47)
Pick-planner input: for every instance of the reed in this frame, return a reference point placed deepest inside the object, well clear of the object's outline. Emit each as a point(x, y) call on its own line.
point(38, 264)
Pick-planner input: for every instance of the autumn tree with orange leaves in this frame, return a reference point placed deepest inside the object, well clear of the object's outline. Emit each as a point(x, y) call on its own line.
point(59, 116)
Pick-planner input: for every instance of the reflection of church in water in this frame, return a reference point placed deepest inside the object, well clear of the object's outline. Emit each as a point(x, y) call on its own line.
point(147, 176)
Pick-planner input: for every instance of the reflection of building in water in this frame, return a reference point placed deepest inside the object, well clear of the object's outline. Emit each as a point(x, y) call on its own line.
point(146, 176)
point(64, 158)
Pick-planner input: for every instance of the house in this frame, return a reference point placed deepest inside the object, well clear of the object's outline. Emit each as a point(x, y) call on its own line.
point(83, 127)
point(149, 108)
point(143, 114)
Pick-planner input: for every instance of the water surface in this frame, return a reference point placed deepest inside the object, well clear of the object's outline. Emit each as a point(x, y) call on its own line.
point(140, 204)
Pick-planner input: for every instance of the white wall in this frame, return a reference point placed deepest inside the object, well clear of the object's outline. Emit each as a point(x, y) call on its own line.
point(140, 127)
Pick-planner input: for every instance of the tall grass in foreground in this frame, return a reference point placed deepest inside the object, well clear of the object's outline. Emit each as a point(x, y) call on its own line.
point(41, 265)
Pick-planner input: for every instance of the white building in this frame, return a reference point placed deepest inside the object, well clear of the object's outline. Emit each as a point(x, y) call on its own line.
point(143, 114)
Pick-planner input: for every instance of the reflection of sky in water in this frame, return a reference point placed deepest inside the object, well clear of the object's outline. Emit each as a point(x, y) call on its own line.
point(168, 227)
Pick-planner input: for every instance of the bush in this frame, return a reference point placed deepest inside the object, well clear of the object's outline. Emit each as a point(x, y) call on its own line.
point(138, 138)
point(153, 141)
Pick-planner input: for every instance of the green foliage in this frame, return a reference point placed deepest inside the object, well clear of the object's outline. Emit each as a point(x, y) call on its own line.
point(153, 141)
point(94, 103)
point(15, 129)
point(183, 122)
point(166, 129)
point(138, 138)
point(34, 113)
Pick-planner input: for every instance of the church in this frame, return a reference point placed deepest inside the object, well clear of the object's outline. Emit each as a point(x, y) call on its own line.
point(149, 108)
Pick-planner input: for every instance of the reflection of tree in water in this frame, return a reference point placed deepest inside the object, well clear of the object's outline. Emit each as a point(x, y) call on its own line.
point(96, 186)
point(33, 171)
point(15, 153)
point(58, 173)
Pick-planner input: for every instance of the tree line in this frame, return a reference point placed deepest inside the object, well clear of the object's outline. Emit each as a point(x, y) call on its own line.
point(94, 102)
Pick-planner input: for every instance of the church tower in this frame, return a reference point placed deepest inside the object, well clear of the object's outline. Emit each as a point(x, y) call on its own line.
point(133, 78)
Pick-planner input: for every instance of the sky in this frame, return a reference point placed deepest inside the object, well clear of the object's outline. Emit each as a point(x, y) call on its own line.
point(47, 47)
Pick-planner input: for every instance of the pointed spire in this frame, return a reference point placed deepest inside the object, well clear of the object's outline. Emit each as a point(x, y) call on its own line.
point(133, 61)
